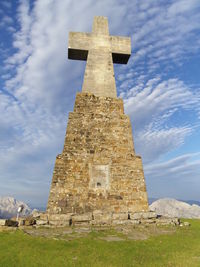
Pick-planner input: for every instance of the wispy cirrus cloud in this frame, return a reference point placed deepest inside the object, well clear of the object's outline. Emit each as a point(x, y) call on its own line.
point(6, 4)
point(177, 176)
point(153, 144)
point(152, 105)
point(164, 35)
point(176, 167)
point(155, 97)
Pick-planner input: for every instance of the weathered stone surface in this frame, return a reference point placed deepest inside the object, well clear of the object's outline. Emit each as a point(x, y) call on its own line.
point(167, 221)
point(147, 221)
point(11, 223)
point(134, 222)
point(98, 148)
point(21, 222)
point(99, 218)
point(58, 223)
point(29, 221)
point(120, 216)
point(100, 50)
point(36, 214)
point(41, 222)
point(61, 217)
point(102, 219)
point(98, 169)
point(44, 216)
point(82, 217)
point(143, 215)
point(121, 222)
point(2, 222)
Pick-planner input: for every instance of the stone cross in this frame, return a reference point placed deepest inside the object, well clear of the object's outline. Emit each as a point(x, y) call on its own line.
point(100, 50)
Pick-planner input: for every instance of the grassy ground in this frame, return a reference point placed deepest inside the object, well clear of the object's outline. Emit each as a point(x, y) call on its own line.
point(180, 247)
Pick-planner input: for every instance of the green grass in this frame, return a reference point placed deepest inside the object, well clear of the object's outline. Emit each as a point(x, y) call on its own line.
point(181, 248)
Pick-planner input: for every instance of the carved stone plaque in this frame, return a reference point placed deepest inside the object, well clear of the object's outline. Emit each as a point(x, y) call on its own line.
point(99, 177)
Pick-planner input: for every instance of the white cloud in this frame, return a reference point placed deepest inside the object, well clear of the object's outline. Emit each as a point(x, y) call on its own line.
point(152, 105)
point(152, 144)
point(29, 142)
point(177, 177)
point(154, 98)
point(183, 6)
point(6, 21)
point(165, 38)
point(178, 165)
point(6, 4)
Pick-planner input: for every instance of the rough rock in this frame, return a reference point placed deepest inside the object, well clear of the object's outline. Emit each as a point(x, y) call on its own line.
point(82, 217)
point(11, 223)
point(173, 208)
point(29, 221)
point(2, 222)
point(35, 214)
point(41, 222)
point(120, 216)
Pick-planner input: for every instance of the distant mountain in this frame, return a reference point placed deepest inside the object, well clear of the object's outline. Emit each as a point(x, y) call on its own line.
point(153, 199)
point(174, 208)
point(9, 207)
point(191, 202)
point(40, 208)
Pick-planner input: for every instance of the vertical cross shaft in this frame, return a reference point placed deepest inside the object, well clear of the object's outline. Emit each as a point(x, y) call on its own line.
point(100, 50)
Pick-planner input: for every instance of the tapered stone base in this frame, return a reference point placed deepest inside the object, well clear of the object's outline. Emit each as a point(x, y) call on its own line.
point(98, 169)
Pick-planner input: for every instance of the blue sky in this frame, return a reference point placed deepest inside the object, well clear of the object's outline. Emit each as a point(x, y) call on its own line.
point(160, 87)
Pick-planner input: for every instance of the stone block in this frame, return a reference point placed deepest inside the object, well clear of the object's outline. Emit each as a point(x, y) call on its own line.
point(136, 216)
point(148, 221)
point(119, 222)
point(21, 222)
point(102, 218)
point(82, 217)
point(120, 216)
point(61, 217)
point(11, 223)
point(2, 222)
point(58, 223)
point(148, 215)
point(97, 214)
point(41, 222)
point(143, 215)
point(44, 216)
point(134, 222)
point(167, 221)
point(81, 223)
point(29, 221)
point(36, 214)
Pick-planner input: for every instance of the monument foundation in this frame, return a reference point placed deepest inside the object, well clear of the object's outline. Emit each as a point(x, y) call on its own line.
point(98, 168)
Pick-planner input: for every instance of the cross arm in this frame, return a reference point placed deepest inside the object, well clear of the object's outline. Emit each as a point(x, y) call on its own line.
point(78, 45)
point(121, 49)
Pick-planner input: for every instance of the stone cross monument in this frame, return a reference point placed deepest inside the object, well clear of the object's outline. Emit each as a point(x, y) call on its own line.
point(98, 175)
point(100, 50)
